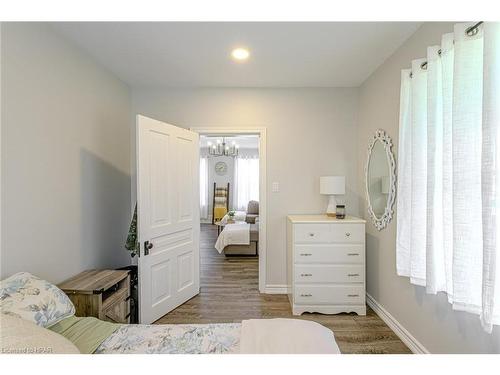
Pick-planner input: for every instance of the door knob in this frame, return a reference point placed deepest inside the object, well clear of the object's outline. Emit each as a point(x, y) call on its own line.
point(147, 246)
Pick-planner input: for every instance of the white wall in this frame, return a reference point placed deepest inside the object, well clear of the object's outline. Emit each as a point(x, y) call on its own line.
point(65, 157)
point(428, 318)
point(310, 133)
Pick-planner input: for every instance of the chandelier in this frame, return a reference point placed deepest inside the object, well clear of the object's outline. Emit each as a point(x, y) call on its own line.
point(222, 149)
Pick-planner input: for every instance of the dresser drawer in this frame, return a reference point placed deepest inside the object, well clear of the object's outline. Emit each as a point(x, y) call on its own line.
point(348, 233)
point(312, 273)
point(116, 308)
point(329, 254)
point(312, 233)
point(330, 294)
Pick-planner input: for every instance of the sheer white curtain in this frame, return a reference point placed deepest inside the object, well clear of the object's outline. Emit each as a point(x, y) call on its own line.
point(448, 190)
point(246, 181)
point(203, 187)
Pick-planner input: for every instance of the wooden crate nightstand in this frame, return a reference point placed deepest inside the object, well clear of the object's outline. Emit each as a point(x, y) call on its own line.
point(103, 294)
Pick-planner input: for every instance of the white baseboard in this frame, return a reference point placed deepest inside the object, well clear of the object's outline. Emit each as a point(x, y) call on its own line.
point(276, 289)
point(411, 342)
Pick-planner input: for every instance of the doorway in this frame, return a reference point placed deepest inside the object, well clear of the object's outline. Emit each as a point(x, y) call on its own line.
point(222, 173)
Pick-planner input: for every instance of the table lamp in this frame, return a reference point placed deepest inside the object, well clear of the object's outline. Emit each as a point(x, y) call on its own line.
point(332, 185)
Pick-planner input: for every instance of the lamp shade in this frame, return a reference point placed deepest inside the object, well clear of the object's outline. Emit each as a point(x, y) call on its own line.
point(330, 185)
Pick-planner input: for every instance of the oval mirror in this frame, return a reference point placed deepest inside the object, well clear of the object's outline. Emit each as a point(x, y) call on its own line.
point(380, 179)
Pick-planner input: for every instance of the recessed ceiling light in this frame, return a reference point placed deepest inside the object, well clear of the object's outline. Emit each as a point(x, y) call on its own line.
point(240, 54)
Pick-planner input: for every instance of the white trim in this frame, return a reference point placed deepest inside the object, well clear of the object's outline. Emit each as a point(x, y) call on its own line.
point(276, 289)
point(261, 132)
point(411, 342)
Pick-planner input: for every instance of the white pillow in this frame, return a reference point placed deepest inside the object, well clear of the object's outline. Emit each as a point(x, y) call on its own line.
point(18, 336)
point(35, 300)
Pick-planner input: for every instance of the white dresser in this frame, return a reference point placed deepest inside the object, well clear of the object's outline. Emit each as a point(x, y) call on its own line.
point(326, 264)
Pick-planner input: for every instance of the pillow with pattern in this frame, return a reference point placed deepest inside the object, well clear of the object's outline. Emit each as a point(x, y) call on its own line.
point(33, 299)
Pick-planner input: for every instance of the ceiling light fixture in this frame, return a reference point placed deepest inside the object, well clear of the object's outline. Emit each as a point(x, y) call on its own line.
point(240, 54)
point(222, 149)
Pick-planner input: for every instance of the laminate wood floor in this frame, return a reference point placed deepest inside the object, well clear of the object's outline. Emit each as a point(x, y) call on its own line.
point(230, 293)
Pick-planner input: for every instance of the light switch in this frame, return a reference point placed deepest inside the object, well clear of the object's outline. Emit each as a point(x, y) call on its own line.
point(276, 187)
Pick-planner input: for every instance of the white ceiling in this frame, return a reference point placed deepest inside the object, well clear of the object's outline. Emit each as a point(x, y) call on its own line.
point(286, 54)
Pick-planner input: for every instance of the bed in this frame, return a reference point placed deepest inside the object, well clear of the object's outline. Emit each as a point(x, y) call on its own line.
point(254, 336)
point(35, 310)
point(242, 242)
point(239, 238)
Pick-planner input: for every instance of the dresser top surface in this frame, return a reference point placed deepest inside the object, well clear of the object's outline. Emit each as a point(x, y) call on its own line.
point(300, 219)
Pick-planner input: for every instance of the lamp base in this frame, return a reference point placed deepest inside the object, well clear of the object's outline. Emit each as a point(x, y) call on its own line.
point(332, 206)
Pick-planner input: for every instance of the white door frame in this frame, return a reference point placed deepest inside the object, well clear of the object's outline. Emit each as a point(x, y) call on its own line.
point(261, 132)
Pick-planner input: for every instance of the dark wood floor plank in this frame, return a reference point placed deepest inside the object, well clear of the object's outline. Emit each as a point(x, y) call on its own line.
point(230, 293)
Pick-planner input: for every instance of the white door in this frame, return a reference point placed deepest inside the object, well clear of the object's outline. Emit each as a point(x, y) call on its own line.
point(168, 217)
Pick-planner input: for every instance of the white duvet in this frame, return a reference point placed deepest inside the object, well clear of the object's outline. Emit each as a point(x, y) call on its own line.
point(233, 234)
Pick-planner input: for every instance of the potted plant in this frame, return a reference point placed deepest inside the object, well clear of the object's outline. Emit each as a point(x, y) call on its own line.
point(230, 215)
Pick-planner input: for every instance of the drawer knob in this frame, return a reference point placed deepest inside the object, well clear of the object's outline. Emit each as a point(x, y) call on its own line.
point(353, 295)
point(353, 274)
point(305, 255)
point(306, 295)
point(353, 254)
point(305, 274)
point(348, 234)
point(311, 234)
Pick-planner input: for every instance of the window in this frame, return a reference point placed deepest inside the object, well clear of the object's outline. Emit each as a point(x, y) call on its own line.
point(448, 185)
point(203, 187)
point(246, 177)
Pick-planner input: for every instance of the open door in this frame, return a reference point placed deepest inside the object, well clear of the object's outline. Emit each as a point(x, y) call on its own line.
point(168, 217)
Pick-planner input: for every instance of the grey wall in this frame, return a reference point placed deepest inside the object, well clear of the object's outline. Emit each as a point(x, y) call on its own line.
point(310, 133)
point(65, 157)
point(430, 319)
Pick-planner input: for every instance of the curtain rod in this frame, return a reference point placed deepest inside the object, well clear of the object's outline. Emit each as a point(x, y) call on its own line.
point(473, 29)
point(470, 31)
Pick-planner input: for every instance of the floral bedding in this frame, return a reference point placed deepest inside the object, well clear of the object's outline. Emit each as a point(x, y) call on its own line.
point(173, 339)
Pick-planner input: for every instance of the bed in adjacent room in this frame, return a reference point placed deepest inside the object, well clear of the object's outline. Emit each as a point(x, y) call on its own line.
point(35, 313)
point(239, 238)
point(239, 235)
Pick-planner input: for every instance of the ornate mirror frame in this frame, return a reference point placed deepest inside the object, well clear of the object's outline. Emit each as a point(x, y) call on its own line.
point(381, 136)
